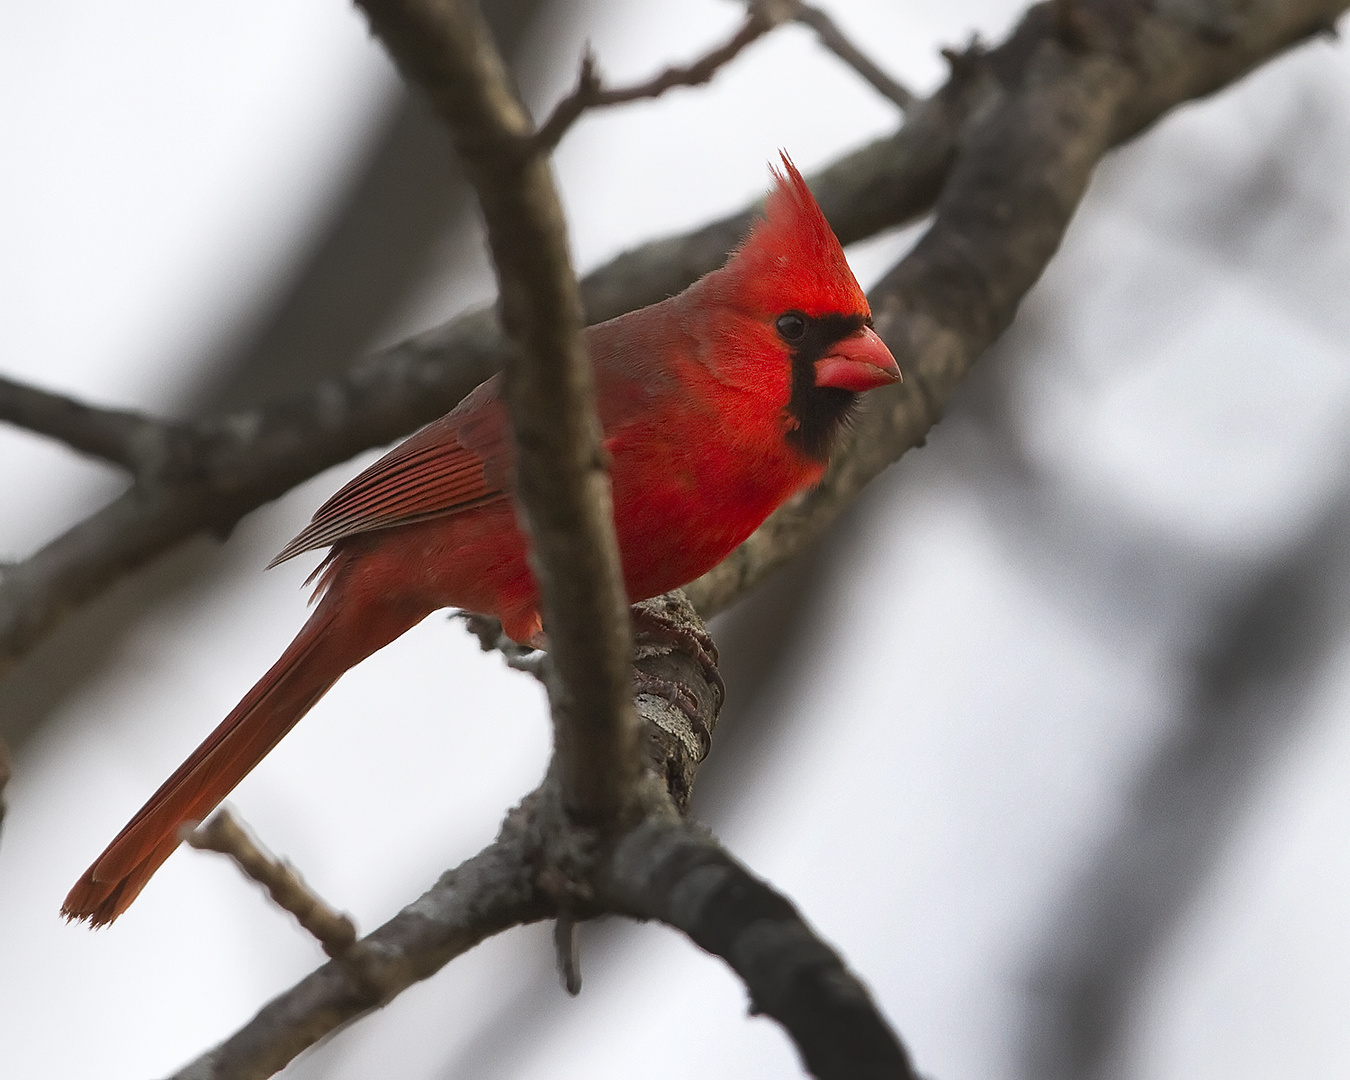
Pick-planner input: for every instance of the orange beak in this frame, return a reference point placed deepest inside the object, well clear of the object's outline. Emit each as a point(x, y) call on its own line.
point(860, 362)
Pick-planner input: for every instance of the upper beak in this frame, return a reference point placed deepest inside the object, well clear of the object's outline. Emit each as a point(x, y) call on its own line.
point(860, 362)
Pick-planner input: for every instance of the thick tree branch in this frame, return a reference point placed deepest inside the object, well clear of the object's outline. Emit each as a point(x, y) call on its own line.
point(240, 462)
point(561, 480)
point(675, 872)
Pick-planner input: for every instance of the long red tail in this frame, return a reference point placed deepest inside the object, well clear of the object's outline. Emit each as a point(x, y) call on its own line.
point(335, 638)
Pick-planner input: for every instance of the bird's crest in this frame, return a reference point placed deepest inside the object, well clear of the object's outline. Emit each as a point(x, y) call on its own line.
point(791, 257)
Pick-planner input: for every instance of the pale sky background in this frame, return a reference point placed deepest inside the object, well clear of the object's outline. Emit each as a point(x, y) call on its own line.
point(996, 654)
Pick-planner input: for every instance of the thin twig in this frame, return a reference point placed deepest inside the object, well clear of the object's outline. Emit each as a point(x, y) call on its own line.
point(568, 953)
point(223, 833)
point(834, 39)
point(143, 445)
point(591, 94)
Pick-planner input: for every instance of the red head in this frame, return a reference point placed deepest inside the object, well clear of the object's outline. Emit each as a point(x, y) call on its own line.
point(792, 254)
point(803, 334)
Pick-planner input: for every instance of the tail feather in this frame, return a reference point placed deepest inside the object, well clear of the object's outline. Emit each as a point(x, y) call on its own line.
point(311, 664)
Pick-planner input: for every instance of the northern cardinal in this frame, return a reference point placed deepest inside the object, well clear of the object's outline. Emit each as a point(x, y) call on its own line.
point(716, 404)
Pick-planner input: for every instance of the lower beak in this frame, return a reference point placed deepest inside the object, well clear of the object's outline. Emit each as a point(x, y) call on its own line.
point(860, 362)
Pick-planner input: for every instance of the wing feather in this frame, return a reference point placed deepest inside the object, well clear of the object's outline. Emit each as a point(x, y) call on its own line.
point(459, 461)
point(466, 458)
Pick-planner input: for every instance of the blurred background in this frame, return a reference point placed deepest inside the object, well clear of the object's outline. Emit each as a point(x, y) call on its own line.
point(1050, 737)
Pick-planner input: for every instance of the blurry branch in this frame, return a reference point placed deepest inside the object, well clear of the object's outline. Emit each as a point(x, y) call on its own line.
point(142, 445)
point(664, 868)
point(1250, 676)
point(561, 481)
point(591, 94)
point(224, 834)
point(834, 39)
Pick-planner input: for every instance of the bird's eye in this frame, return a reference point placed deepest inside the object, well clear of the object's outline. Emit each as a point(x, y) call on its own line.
point(791, 327)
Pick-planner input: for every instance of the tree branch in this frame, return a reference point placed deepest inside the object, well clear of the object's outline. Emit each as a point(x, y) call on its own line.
point(838, 43)
point(224, 834)
point(1251, 670)
point(144, 446)
point(238, 463)
point(258, 455)
point(489, 893)
point(676, 872)
point(590, 94)
point(561, 480)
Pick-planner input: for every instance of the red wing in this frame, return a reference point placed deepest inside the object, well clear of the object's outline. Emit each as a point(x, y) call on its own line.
point(463, 459)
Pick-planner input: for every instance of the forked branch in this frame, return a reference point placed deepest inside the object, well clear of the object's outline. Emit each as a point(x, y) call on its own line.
point(761, 17)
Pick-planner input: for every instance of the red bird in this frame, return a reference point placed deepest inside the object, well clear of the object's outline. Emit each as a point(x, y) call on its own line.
point(717, 405)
